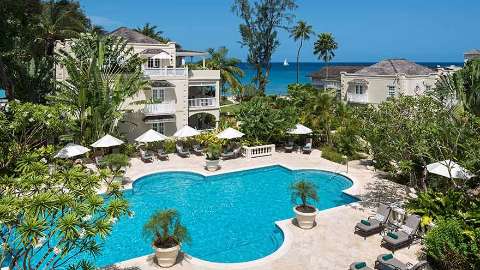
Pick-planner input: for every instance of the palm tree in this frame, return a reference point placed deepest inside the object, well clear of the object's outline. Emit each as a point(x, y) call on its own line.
point(150, 31)
point(301, 31)
point(230, 73)
point(322, 109)
point(166, 229)
point(304, 190)
point(325, 47)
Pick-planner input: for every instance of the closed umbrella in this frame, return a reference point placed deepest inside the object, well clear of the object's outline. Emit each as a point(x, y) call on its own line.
point(230, 133)
point(107, 141)
point(151, 136)
point(300, 130)
point(186, 132)
point(450, 169)
point(71, 150)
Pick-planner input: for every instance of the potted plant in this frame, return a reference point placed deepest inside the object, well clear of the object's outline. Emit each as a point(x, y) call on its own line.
point(168, 234)
point(213, 157)
point(305, 214)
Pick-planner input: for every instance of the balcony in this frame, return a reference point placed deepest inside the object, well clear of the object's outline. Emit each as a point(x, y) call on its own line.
point(202, 103)
point(166, 72)
point(357, 98)
point(165, 108)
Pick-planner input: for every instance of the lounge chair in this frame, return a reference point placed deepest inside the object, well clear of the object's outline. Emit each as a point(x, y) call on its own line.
point(307, 149)
point(146, 156)
point(374, 224)
point(181, 152)
point(359, 266)
point(289, 147)
point(198, 149)
point(388, 262)
point(404, 236)
point(162, 155)
point(231, 154)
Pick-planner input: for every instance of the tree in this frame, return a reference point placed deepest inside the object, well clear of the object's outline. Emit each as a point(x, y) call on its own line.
point(166, 229)
point(325, 47)
point(230, 73)
point(50, 218)
point(261, 121)
point(304, 190)
point(259, 32)
point(150, 31)
point(301, 31)
point(103, 72)
point(321, 112)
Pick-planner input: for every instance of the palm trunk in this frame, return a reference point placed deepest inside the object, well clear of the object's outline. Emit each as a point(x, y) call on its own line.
point(298, 58)
point(326, 76)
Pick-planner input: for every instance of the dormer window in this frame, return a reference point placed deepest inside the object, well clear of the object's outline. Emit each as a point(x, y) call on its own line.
point(157, 62)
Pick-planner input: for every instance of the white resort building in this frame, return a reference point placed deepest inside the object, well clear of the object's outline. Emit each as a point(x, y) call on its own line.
point(387, 78)
point(329, 77)
point(177, 95)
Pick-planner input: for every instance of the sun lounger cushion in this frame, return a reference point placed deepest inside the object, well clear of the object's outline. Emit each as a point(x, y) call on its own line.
point(389, 263)
point(360, 265)
point(374, 225)
point(402, 237)
point(387, 257)
point(365, 222)
point(392, 235)
point(406, 229)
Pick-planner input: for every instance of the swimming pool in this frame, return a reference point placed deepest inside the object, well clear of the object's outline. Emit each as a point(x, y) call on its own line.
point(230, 217)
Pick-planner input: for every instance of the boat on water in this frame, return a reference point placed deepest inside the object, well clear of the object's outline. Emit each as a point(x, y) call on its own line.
point(285, 62)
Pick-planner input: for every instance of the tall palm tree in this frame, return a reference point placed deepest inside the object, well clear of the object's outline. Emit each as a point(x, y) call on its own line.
point(150, 31)
point(301, 31)
point(230, 72)
point(322, 109)
point(325, 47)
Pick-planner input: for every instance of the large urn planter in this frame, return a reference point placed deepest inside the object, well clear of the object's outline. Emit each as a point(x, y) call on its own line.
point(167, 257)
point(305, 216)
point(212, 165)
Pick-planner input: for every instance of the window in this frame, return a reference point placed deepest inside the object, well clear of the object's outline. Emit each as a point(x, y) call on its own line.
point(359, 89)
point(158, 94)
point(157, 63)
point(159, 127)
point(428, 88)
point(391, 91)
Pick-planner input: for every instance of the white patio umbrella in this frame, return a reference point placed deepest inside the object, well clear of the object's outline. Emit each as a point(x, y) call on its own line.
point(450, 169)
point(151, 136)
point(299, 130)
point(107, 141)
point(230, 133)
point(71, 150)
point(185, 132)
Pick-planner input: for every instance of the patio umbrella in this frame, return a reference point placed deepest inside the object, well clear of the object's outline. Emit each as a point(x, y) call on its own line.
point(299, 130)
point(230, 133)
point(151, 136)
point(450, 169)
point(71, 150)
point(106, 141)
point(185, 132)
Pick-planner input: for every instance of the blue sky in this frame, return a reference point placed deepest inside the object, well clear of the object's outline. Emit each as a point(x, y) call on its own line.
point(369, 30)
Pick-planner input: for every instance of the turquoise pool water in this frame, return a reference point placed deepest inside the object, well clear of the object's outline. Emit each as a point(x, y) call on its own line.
point(230, 216)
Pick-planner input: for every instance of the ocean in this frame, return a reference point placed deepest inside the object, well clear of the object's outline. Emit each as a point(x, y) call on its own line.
point(281, 76)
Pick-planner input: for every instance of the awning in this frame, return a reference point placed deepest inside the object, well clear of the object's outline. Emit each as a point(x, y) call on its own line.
point(159, 119)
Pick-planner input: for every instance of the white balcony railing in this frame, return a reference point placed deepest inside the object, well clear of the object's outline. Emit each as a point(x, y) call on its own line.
point(357, 98)
point(202, 102)
point(167, 72)
point(164, 108)
point(258, 151)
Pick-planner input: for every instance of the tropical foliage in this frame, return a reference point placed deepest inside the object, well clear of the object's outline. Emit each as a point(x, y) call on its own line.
point(166, 229)
point(151, 31)
point(103, 73)
point(325, 47)
point(262, 19)
point(304, 190)
point(301, 31)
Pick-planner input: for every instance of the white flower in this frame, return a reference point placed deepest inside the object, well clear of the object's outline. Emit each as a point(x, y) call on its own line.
point(82, 233)
point(113, 220)
point(43, 160)
point(86, 218)
point(56, 250)
point(30, 119)
point(49, 115)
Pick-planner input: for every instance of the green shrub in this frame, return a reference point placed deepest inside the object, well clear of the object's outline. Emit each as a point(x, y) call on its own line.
point(213, 151)
point(449, 246)
point(331, 154)
point(128, 149)
point(169, 146)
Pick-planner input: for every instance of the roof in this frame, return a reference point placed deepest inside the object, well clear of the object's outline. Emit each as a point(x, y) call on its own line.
point(474, 51)
point(133, 36)
point(334, 71)
point(395, 66)
point(183, 52)
point(161, 83)
point(152, 51)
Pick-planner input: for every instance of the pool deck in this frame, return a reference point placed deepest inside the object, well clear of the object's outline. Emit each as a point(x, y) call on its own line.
point(331, 244)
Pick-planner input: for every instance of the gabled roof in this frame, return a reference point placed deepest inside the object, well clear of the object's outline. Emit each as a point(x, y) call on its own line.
point(334, 71)
point(133, 36)
point(153, 51)
point(395, 66)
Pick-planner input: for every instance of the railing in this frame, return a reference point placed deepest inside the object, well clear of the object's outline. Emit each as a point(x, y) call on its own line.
point(159, 108)
point(258, 151)
point(173, 72)
point(357, 98)
point(202, 102)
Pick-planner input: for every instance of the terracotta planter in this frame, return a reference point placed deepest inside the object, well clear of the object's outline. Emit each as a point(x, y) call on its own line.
point(167, 257)
point(212, 165)
point(305, 220)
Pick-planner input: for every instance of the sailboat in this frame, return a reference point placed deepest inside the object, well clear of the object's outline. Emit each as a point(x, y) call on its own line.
point(285, 62)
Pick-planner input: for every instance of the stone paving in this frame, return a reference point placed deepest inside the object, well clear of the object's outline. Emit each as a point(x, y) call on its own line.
point(331, 244)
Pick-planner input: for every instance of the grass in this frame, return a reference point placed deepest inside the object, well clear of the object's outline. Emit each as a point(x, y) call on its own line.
point(331, 154)
point(230, 109)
